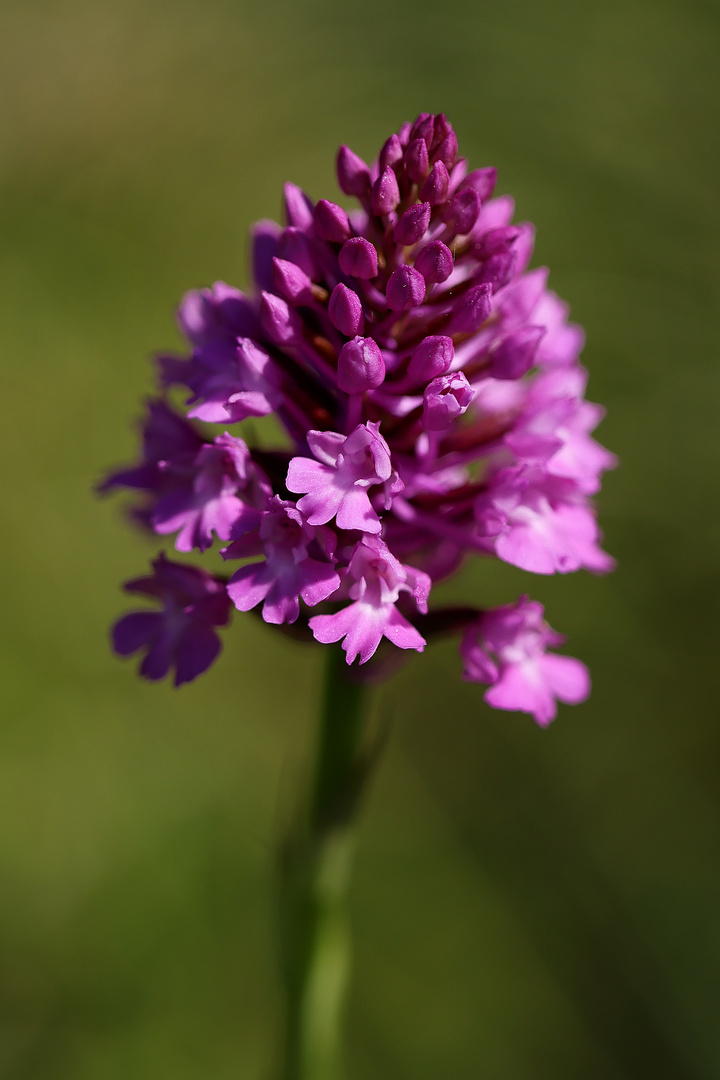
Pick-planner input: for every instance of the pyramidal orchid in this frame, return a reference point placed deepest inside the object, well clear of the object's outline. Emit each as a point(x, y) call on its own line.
point(430, 396)
point(430, 391)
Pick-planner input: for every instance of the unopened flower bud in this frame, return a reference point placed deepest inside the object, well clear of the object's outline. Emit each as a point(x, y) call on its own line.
point(360, 366)
point(403, 133)
point(498, 269)
point(447, 150)
point(298, 207)
point(435, 188)
point(515, 353)
point(280, 322)
point(446, 398)
point(391, 153)
point(423, 128)
point(433, 357)
point(405, 289)
point(473, 312)
point(483, 181)
point(345, 311)
point(495, 241)
point(441, 129)
point(352, 172)
point(385, 194)
point(412, 226)
point(265, 239)
point(295, 246)
point(417, 161)
point(291, 282)
point(331, 222)
point(358, 258)
point(461, 211)
point(435, 262)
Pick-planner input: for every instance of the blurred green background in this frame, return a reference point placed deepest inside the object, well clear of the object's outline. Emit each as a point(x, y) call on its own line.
point(527, 905)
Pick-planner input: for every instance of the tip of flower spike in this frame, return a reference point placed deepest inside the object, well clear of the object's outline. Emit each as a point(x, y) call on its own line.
point(423, 128)
point(391, 153)
point(441, 129)
point(447, 150)
point(417, 161)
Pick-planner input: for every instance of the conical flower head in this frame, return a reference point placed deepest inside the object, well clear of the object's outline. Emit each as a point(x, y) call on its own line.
point(430, 393)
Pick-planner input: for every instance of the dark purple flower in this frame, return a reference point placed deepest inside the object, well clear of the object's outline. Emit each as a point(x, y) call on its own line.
point(165, 437)
point(181, 636)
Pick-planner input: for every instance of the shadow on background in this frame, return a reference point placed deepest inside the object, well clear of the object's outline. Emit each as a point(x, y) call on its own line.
point(527, 905)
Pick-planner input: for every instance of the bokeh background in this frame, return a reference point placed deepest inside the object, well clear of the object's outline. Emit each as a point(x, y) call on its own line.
point(527, 905)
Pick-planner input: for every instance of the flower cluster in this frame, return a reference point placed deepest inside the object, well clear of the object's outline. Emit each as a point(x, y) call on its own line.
point(429, 388)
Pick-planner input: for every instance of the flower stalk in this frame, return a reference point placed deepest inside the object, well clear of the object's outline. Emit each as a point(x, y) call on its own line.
point(315, 867)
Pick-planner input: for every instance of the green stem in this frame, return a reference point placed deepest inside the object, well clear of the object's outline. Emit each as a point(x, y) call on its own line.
point(315, 872)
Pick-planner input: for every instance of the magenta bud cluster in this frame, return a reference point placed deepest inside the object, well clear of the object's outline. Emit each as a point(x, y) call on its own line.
point(429, 388)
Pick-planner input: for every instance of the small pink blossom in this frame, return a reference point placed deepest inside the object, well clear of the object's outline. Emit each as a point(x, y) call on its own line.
point(506, 647)
point(378, 579)
point(337, 481)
